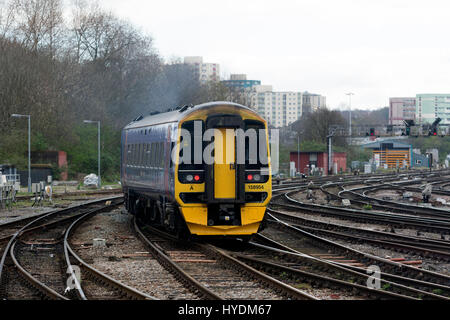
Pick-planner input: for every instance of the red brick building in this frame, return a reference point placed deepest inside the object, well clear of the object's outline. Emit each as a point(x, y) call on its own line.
point(319, 160)
point(52, 158)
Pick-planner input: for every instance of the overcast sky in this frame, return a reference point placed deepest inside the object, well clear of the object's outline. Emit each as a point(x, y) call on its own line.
point(375, 49)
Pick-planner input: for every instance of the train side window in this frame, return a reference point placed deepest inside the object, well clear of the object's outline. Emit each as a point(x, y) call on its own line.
point(155, 154)
point(161, 155)
point(128, 155)
point(158, 156)
point(135, 151)
point(138, 158)
point(147, 156)
point(132, 154)
point(144, 152)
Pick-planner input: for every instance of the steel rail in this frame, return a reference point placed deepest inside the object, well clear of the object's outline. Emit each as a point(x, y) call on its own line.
point(9, 250)
point(421, 245)
point(173, 267)
point(69, 252)
point(440, 281)
point(295, 255)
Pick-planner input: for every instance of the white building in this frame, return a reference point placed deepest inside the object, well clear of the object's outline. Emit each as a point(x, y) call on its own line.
point(203, 71)
point(278, 108)
point(401, 108)
point(312, 101)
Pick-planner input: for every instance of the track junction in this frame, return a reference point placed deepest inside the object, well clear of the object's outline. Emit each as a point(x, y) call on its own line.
point(314, 246)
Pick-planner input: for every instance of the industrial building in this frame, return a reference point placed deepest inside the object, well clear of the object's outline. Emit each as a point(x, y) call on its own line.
point(319, 161)
point(395, 154)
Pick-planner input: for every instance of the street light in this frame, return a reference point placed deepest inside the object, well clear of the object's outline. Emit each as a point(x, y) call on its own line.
point(99, 183)
point(15, 115)
point(350, 108)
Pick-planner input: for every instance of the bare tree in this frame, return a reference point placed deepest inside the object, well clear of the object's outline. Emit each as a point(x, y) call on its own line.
point(38, 23)
point(6, 18)
point(314, 126)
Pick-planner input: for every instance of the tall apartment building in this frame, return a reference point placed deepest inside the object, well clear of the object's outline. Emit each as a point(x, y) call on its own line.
point(313, 101)
point(401, 109)
point(430, 106)
point(203, 71)
point(278, 108)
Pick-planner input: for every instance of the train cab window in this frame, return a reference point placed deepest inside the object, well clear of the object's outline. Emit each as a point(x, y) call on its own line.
point(256, 153)
point(190, 162)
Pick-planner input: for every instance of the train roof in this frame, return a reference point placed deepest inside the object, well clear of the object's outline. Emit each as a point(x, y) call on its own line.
point(177, 115)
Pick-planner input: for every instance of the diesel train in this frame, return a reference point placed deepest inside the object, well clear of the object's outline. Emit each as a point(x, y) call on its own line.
point(199, 170)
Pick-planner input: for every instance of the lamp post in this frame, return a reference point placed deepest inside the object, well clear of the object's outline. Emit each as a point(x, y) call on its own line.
point(99, 182)
point(15, 115)
point(350, 108)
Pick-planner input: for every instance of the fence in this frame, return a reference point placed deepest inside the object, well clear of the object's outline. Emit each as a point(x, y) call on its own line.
point(7, 196)
point(9, 186)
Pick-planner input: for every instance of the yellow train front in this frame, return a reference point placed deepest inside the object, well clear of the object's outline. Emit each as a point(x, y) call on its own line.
point(201, 170)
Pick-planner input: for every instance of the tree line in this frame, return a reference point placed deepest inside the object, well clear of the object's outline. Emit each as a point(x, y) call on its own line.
point(65, 63)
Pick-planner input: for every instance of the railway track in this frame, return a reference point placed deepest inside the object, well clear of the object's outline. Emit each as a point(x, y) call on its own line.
point(212, 272)
point(38, 257)
point(304, 271)
point(432, 248)
point(332, 281)
point(305, 242)
point(76, 193)
point(411, 209)
point(394, 220)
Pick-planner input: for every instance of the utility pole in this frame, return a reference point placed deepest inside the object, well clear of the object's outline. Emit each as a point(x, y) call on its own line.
point(331, 133)
point(298, 153)
point(29, 144)
point(350, 94)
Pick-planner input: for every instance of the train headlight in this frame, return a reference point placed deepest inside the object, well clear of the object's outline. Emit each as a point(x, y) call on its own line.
point(191, 177)
point(257, 177)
